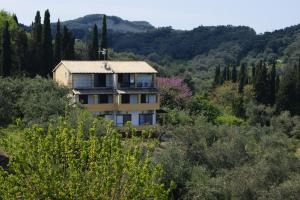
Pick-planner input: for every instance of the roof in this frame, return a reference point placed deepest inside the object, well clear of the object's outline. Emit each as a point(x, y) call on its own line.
point(106, 67)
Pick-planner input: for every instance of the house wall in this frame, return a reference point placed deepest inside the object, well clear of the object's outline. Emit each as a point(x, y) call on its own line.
point(62, 76)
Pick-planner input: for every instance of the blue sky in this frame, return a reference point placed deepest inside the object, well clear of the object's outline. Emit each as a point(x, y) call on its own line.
point(262, 15)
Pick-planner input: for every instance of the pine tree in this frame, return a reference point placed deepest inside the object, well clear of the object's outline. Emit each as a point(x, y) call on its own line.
point(217, 76)
point(234, 74)
point(242, 78)
point(223, 79)
point(36, 47)
point(262, 84)
point(273, 84)
point(58, 44)
point(277, 84)
point(47, 45)
point(94, 46)
point(6, 63)
point(103, 45)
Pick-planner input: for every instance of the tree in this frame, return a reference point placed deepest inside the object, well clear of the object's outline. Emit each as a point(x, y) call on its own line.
point(273, 84)
point(242, 78)
point(36, 46)
point(21, 50)
point(103, 45)
point(253, 74)
point(286, 96)
point(227, 73)
point(68, 42)
point(94, 46)
point(14, 16)
point(297, 89)
point(262, 84)
point(174, 91)
point(217, 78)
point(67, 162)
point(224, 77)
point(6, 62)
point(234, 74)
point(47, 46)
point(58, 43)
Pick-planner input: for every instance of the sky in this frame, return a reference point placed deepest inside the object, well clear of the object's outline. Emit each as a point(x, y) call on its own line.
point(262, 15)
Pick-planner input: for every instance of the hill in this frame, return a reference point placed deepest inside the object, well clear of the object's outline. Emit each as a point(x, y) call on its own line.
point(83, 25)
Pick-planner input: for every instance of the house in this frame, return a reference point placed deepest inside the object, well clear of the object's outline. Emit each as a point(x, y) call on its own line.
point(120, 91)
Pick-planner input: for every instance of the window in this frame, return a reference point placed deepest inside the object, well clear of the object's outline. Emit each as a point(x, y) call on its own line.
point(148, 98)
point(125, 98)
point(122, 119)
point(105, 98)
point(146, 119)
point(144, 80)
point(83, 99)
point(133, 99)
point(82, 80)
point(124, 80)
point(100, 80)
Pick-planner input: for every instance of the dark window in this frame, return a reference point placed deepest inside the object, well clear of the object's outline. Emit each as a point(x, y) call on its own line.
point(126, 118)
point(146, 119)
point(143, 98)
point(100, 80)
point(125, 98)
point(104, 98)
point(83, 99)
point(124, 80)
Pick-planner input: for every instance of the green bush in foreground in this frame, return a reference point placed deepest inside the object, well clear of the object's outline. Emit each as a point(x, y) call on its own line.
point(64, 163)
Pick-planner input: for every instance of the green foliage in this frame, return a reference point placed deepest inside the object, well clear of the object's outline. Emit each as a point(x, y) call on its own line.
point(201, 105)
point(94, 45)
point(228, 119)
point(62, 163)
point(33, 100)
point(47, 46)
point(103, 44)
point(6, 60)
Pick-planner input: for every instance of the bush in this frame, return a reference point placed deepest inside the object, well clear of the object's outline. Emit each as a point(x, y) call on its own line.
point(63, 163)
point(229, 119)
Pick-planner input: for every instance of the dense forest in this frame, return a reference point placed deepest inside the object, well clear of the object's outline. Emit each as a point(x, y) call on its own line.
point(230, 127)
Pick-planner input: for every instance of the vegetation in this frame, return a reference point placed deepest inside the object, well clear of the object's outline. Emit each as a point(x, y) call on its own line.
point(231, 129)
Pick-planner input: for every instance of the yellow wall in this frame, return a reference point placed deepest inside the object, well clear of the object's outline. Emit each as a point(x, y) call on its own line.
point(62, 76)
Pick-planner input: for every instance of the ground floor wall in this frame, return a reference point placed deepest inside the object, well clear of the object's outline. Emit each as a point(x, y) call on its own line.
point(137, 118)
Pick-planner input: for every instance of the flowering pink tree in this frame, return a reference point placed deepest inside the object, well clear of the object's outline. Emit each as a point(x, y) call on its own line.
point(174, 91)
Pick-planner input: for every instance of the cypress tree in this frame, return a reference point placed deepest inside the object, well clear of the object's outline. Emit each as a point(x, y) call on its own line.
point(253, 73)
point(94, 46)
point(15, 19)
point(242, 78)
point(21, 43)
point(261, 85)
point(297, 89)
point(234, 74)
point(285, 99)
point(6, 63)
point(103, 45)
point(277, 84)
point(68, 42)
point(36, 47)
point(223, 75)
point(57, 44)
point(47, 45)
point(217, 76)
point(273, 83)
point(227, 73)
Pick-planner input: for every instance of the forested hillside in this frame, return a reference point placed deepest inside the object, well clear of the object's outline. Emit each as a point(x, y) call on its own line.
point(229, 125)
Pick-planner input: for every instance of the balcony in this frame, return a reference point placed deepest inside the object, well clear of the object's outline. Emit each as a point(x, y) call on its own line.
point(100, 107)
point(138, 106)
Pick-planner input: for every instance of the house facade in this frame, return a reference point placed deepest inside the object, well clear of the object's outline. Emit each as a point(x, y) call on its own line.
point(120, 91)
